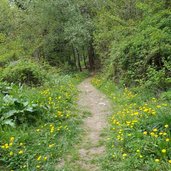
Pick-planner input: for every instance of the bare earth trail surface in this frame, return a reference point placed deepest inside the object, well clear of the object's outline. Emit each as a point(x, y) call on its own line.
point(99, 107)
point(91, 147)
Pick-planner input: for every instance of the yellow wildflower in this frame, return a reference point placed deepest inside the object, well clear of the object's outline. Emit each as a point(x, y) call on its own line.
point(11, 153)
point(145, 132)
point(6, 146)
point(158, 106)
point(166, 126)
point(124, 155)
point(157, 160)
point(51, 145)
point(167, 139)
point(39, 158)
point(155, 129)
point(21, 144)
point(11, 139)
point(20, 152)
point(38, 166)
point(163, 151)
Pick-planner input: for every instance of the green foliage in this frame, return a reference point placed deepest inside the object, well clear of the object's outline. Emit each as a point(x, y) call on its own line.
point(45, 120)
point(24, 72)
point(135, 45)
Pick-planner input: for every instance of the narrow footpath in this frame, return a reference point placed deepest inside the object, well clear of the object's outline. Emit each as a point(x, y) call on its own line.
point(91, 148)
point(98, 105)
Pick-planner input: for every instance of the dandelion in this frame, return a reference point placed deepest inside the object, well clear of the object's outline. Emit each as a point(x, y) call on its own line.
point(124, 155)
point(21, 144)
point(51, 145)
point(11, 153)
point(164, 133)
point(157, 160)
point(12, 139)
point(163, 151)
point(38, 130)
point(145, 132)
point(164, 104)
point(39, 158)
point(166, 126)
point(155, 135)
point(161, 133)
point(152, 134)
point(6, 146)
point(158, 106)
point(169, 161)
point(20, 152)
point(155, 129)
point(167, 139)
point(38, 166)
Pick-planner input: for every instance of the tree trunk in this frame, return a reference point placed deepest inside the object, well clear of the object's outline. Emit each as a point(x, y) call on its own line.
point(84, 58)
point(85, 64)
point(91, 56)
point(75, 59)
point(78, 57)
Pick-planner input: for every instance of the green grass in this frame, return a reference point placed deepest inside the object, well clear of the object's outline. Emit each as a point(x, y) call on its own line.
point(43, 124)
point(140, 129)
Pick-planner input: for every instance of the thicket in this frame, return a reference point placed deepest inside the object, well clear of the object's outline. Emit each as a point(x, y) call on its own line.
point(133, 39)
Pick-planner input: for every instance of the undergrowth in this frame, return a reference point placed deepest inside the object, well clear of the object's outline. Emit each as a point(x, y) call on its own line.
point(38, 124)
point(140, 129)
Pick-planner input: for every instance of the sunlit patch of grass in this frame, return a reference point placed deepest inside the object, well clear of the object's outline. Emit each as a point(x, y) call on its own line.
point(140, 130)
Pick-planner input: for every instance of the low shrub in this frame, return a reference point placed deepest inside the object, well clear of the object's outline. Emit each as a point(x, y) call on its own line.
point(24, 72)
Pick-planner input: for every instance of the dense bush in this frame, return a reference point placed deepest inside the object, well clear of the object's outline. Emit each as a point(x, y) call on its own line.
point(136, 49)
point(24, 72)
point(148, 47)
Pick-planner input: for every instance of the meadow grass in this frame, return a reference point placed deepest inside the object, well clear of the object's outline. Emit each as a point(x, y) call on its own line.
point(38, 124)
point(140, 129)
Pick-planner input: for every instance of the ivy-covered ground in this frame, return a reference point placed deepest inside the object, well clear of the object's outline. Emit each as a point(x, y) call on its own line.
point(140, 129)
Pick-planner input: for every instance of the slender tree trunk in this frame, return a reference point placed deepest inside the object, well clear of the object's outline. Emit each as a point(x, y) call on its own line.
point(91, 56)
point(78, 57)
point(74, 55)
point(84, 57)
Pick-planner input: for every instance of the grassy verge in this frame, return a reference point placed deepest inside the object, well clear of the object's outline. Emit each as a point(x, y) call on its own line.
point(38, 124)
point(140, 129)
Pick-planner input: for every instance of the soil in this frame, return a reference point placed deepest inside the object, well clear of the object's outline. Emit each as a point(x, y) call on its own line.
point(92, 146)
point(99, 106)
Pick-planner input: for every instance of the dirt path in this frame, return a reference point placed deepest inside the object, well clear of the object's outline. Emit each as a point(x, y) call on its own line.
point(91, 148)
point(99, 107)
